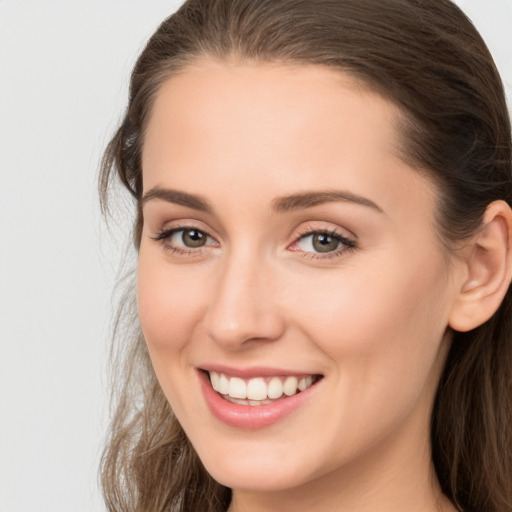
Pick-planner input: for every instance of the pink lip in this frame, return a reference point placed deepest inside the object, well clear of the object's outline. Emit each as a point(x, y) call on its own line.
point(251, 417)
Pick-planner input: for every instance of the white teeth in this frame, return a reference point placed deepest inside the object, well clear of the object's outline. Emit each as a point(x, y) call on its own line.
point(237, 401)
point(290, 386)
point(214, 379)
point(256, 389)
point(223, 385)
point(237, 388)
point(275, 388)
point(260, 390)
point(247, 402)
point(305, 382)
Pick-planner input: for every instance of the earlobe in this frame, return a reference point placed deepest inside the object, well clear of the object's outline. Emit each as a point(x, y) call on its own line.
point(489, 270)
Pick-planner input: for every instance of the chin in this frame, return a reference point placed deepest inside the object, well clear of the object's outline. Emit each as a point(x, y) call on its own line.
point(257, 480)
point(258, 473)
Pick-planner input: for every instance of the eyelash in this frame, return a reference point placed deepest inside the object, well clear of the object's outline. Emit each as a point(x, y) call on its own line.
point(347, 244)
point(164, 236)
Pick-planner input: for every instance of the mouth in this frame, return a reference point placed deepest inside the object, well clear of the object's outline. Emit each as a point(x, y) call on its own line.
point(257, 391)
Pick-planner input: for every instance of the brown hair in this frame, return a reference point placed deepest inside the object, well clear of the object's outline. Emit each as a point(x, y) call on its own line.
point(429, 60)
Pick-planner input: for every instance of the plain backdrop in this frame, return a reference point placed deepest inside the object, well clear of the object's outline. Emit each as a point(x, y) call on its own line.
point(64, 68)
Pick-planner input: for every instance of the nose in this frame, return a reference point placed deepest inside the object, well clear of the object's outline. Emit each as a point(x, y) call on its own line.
point(244, 307)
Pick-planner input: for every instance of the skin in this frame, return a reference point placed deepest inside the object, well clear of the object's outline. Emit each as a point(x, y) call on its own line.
point(372, 319)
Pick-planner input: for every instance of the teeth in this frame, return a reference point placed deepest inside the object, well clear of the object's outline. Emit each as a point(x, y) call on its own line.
point(275, 388)
point(237, 388)
point(223, 385)
point(290, 386)
point(214, 379)
point(305, 382)
point(258, 391)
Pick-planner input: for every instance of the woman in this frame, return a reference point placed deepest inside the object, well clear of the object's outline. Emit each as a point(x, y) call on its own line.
point(324, 238)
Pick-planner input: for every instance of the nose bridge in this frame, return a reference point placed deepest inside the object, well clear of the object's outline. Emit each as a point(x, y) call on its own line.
point(243, 306)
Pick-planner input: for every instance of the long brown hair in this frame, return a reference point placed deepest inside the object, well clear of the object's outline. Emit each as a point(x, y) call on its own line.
point(429, 60)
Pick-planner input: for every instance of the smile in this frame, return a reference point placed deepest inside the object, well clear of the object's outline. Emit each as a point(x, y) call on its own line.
point(253, 399)
point(260, 390)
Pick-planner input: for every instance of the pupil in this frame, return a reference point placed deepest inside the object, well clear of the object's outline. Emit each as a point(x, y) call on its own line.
point(193, 238)
point(325, 243)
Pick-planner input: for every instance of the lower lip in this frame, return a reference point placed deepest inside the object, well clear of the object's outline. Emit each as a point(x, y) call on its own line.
point(247, 416)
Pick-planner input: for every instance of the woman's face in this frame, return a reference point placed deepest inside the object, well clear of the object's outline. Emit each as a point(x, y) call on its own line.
point(286, 246)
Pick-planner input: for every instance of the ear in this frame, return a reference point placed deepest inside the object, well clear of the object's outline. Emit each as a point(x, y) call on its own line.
point(488, 260)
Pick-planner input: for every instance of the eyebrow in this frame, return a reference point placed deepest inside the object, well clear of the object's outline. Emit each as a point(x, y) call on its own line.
point(279, 205)
point(317, 198)
point(177, 197)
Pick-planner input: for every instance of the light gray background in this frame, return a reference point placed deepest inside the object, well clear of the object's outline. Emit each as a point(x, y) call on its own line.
point(64, 70)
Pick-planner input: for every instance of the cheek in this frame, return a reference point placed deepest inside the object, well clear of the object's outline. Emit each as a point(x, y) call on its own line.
point(382, 334)
point(379, 326)
point(364, 306)
point(170, 311)
point(169, 302)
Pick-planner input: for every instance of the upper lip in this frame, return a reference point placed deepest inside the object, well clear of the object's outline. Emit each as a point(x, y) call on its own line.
point(253, 371)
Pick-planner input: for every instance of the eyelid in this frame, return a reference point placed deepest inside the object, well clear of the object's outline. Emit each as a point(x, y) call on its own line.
point(167, 226)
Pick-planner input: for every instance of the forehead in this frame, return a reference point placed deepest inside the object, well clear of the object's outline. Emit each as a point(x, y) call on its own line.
point(268, 125)
point(214, 104)
point(274, 93)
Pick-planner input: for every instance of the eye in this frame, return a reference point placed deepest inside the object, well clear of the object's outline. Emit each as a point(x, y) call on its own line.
point(192, 238)
point(184, 239)
point(320, 244)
